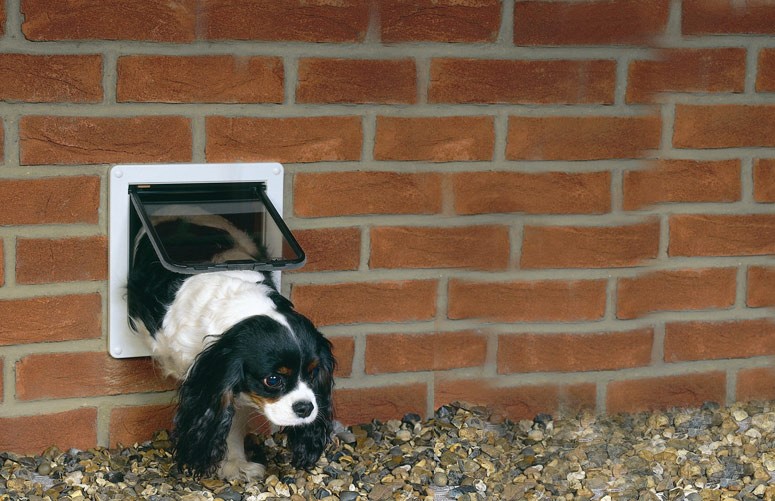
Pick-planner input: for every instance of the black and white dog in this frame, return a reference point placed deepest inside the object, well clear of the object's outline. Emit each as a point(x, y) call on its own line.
point(237, 346)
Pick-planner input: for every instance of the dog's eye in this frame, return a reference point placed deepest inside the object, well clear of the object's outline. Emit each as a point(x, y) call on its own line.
point(273, 382)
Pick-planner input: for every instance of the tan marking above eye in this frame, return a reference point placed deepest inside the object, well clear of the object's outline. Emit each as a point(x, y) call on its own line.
point(285, 371)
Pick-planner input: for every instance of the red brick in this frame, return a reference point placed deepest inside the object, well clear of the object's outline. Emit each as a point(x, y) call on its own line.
point(532, 193)
point(357, 81)
point(719, 340)
point(50, 319)
point(330, 249)
point(436, 351)
point(50, 78)
point(362, 405)
point(360, 302)
point(2, 19)
point(667, 181)
point(686, 70)
point(675, 290)
point(60, 200)
point(71, 375)
point(288, 140)
point(200, 79)
point(2, 264)
point(689, 390)
point(109, 20)
point(601, 22)
point(707, 17)
point(724, 126)
point(434, 139)
point(528, 301)
point(574, 352)
point(2, 391)
point(765, 72)
point(36, 433)
point(755, 384)
point(344, 351)
point(98, 140)
point(478, 247)
point(764, 180)
point(522, 82)
point(761, 293)
point(590, 246)
point(517, 402)
point(439, 20)
point(321, 194)
point(290, 20)
point(722, 235)
point(582, 138)
point(134, 424)
point(40, 261)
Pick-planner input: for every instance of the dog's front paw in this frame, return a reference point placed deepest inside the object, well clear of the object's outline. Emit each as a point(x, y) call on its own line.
point(233, 469)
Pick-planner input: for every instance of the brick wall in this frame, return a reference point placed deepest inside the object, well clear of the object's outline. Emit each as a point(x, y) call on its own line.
point(534, 205)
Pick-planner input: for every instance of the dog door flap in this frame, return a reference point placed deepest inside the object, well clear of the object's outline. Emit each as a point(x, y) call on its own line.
point(202, 227)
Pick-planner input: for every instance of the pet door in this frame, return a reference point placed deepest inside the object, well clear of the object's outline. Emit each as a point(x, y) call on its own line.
point(199, 219)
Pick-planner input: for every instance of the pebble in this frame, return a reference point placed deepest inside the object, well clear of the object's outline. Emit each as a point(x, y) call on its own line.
point(462, 452)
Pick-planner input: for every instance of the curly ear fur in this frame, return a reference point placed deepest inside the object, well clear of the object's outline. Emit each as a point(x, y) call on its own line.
point(308, 442)
point(206, 408)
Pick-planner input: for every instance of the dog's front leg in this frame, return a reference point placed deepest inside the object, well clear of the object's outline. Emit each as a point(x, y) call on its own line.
point(235, 464)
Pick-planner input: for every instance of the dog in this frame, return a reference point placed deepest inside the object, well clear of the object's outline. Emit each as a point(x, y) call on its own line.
point(235, 344)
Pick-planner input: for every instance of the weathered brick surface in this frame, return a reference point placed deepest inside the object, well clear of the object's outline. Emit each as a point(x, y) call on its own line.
point(53, 200)
point(439, 21)
point(49, 319)
point(200, 79)
point(527, 301)
point(690, 390)
point(760, 290)
point(424, 352)
point(534, 193)
point(478, 247)
point(329, 249)
point(138, 423)
point(358, 302)
point(109, 20)
point(95, 140)
point(755, 384)
point(344, 351)
point(517, 402)
point(507, 81)
point(589, 23)
point(35, 433)
point(675, 290)
point(391, 402)
point(590, 247)
point(564, 352)
point(669, 181)
point(764, 180)
point(284, 20)
point(47, 79)
point(437, 139)
point(356, 81)
point(310, 139)
point(581, 138)
point(718, 340)
point(88, 374)
point(357, 193)
point(41, 261)
point(722, 235)
point(724, 126)
point(723, 17)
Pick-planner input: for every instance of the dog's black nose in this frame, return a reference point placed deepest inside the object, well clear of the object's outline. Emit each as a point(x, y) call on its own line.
point(303, 408)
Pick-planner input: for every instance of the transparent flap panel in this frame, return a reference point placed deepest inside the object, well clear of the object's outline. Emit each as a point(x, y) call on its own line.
point(214, 226)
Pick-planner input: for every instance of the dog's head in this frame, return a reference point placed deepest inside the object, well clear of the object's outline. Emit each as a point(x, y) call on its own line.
point(283, 369)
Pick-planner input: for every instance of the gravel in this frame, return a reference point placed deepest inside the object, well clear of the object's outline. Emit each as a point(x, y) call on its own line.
point(462, 452)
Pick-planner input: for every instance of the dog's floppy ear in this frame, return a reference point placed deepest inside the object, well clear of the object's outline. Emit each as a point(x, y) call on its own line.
point(308, 442)
point(206, 406)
